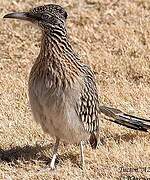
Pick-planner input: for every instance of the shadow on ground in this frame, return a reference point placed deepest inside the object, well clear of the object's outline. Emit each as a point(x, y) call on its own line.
point(130, 137)
point(26, 153)
point(37, 152)
point(31, 153)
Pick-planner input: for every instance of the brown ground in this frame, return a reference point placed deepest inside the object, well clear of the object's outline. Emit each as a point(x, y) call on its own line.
point(113, 36)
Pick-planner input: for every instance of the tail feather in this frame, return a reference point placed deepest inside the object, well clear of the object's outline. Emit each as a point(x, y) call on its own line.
point(124, 119)
point(93, 141)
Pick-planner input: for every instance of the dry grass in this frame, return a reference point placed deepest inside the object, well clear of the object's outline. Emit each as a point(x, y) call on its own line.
point(113, 36)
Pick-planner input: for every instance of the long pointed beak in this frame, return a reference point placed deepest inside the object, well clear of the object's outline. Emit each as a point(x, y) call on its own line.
point(20, 15)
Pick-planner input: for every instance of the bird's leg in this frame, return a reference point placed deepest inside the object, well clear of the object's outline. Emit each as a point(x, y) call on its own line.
point(52, 164)
point(82, 154)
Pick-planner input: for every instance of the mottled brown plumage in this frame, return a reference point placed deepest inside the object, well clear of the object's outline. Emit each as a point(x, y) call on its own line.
point(62, 90)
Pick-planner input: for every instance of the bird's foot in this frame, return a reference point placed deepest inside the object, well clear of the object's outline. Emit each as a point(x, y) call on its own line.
point(53, 162)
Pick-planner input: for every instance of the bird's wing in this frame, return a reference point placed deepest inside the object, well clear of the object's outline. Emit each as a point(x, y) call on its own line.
point(133, 122)
point(88, 105)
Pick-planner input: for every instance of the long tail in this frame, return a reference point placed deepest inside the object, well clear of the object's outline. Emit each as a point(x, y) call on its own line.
point(133, 122)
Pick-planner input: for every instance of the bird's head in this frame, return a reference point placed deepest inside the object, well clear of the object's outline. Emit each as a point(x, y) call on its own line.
point(45, 17)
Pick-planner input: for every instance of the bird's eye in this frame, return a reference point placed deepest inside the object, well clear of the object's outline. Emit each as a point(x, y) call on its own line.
point(45, 16)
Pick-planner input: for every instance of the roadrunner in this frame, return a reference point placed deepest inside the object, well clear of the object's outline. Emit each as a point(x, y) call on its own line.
point(62, 89)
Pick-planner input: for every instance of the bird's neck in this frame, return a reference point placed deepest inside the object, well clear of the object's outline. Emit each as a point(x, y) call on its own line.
point(55, 43)
point(58, 56)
